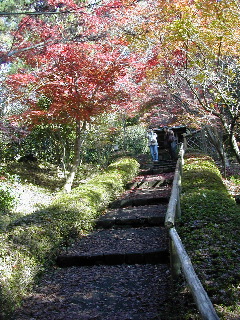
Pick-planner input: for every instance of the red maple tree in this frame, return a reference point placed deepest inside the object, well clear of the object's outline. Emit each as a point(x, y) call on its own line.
point(72, 76)
point(75, 82)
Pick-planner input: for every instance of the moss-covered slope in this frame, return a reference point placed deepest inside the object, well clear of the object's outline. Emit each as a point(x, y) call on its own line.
point(209, 230)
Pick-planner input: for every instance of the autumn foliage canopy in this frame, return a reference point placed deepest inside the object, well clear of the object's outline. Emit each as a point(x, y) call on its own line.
point(92, 57)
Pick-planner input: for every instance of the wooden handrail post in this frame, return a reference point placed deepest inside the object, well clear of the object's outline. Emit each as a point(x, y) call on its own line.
point(180, 183)
point(181, 155)
point(178, 208)
point(174, 261)
point(184, 141)
point(174, 201)
point(181, 166)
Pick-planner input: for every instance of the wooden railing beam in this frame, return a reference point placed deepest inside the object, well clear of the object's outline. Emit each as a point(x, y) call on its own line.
point(200, 296)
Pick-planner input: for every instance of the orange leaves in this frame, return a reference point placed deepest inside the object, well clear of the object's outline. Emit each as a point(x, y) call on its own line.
point(32, 38)
point(188, 30)
point(35, 29)
point(179, 58)
point(79, 80)
point(20, 80)
point(83, 68)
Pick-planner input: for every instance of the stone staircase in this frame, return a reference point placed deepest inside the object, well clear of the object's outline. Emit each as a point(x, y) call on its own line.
point(121, 270)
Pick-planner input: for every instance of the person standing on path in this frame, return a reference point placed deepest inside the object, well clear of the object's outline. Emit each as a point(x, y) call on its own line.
point(170, 142)
point(153, 144)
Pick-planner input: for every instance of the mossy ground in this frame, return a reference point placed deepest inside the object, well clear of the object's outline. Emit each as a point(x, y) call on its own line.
point(209, 229)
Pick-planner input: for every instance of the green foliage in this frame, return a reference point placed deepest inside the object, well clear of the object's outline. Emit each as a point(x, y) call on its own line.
point(44, 103)
point(183, 29)
point(235, 180)
point(210, 231)
point(11, 5)
point(31, 243)
point(17, 268)
point(52, 143)
point(97, 147)
point(127, 168)
point(133, 140)
point(6, 198)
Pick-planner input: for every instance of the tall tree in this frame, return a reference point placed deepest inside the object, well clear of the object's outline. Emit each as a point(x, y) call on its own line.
point(74, 70)
point(207, 63)
point(198, 51)
point(76, 82)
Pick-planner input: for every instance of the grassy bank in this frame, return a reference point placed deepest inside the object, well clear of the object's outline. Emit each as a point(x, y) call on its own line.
point(209, 229)
point(30, 243)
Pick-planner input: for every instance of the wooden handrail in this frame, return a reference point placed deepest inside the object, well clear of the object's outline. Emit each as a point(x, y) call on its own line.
point(178, 255)
point(174, 209)
point(200, 296)
point(174, 199)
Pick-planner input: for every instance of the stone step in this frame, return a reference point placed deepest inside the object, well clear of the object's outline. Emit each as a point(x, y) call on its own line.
point(138, 202)
point(120, 273)
point(151, 181)
point(115, 246)
point(143, 197)
point(156, 183)
point(158, 169)
point(153, 215)
point(136, 292)
point(147, 257)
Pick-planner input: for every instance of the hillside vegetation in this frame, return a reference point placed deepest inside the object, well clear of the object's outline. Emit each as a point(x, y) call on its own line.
point(44, 220)
point(30, 241)
point(209, 228)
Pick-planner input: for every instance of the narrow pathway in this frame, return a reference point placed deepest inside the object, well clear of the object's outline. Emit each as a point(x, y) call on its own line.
point(118, 272)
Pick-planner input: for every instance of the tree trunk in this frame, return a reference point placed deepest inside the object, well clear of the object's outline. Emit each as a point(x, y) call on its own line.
point(218, 144)
point(234, 145)
point(77, 148)
point(232, 139)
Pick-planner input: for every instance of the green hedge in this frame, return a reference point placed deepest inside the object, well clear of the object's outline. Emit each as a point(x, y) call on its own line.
point(31, 243)
point(209, 229)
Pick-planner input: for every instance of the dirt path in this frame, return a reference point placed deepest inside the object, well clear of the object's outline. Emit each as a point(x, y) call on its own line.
point(120, 271)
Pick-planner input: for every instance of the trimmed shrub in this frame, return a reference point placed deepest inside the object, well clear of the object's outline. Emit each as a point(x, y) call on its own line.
point(126, 168)
point(32, 242)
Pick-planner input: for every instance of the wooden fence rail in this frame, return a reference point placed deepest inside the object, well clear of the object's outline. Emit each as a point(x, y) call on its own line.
point(180, 261)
